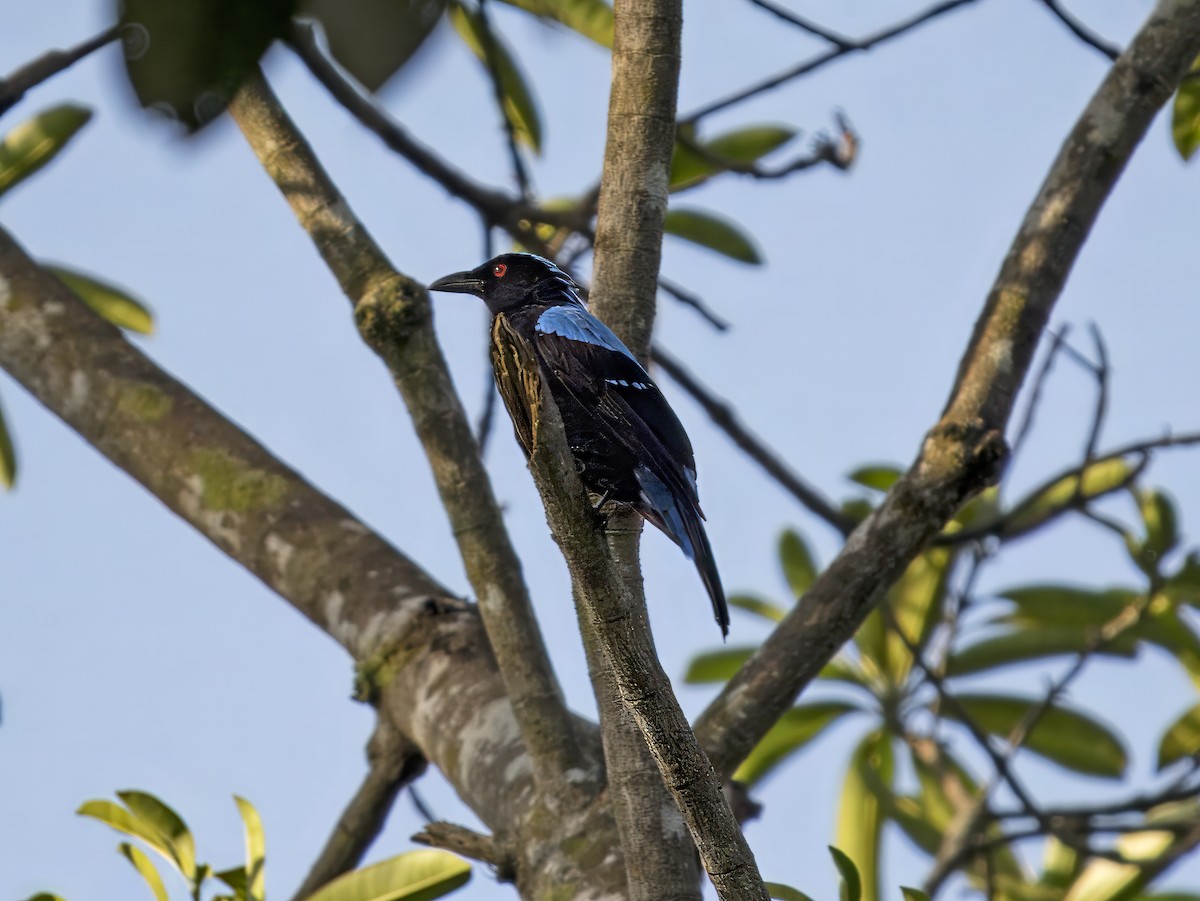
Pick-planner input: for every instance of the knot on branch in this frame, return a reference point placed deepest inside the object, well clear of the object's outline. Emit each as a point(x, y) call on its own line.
point(390, 311)
point(968, 455)
point(468, 843)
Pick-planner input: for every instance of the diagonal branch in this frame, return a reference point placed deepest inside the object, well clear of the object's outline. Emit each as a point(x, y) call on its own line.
point(394, 318)
point(14, 85)
point(964, 450)
point(1081, 31)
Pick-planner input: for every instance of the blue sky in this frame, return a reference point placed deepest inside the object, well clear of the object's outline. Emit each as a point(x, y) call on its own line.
point(134, 654)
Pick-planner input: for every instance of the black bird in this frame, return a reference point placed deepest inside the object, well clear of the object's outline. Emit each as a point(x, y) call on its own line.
point(628, 444)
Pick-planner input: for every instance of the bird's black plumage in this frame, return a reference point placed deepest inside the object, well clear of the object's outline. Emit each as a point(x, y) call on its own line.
point(629, 446)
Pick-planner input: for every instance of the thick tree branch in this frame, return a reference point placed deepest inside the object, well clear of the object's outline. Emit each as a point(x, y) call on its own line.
point(395, 319)
point(963, 451)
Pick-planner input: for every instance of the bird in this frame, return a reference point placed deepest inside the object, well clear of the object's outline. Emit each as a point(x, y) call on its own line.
point(628, 445)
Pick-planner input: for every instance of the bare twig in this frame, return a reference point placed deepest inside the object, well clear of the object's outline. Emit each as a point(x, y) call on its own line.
point(803, 24)
point(471, 844)
point(723, 415)
point(839, 152)
point(687, 298)
point(1080, 31)
point(1023, 430)
point(14, 85)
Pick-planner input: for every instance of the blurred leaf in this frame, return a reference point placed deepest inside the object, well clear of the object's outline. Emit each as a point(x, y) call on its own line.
point(842, 669)
point(1162, 523)
point(46, 896)
point(519, 106)
point(235, 878)
point(107, 301)
point(8, 455)
point(711, 231)
point(256, 849)
point(143, 865)
point(373, 39)
point(716, 666)
point(1107, 880)
point(852, 888)
point(857, 509)
point(881, 477)
point(1060, 864)
point(1067, 737)
point(187, 58)
point(758, 606)
point(1100, 478)
point(916, 602)
point(591, 18)
point(1182, 738)
point(1185, 115)
point(167, 823)
point(745, 145)
point(983, 508)
point(1184, 585)
point(36, 141)
point(413, 876)
point(1031, 643)
point(797, 561)
point(795, 729)
point(913, 894)
point(860, 817)
point(871, 639)
point(782, 892)
point(123, 821)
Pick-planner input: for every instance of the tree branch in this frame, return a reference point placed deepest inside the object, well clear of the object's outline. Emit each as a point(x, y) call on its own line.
point(1080, 31)
point(14, 86)
point(964, 450)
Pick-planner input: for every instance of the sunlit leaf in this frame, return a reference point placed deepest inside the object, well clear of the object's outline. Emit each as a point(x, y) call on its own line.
point(1098, 479)
point(1184, 585)
point(758, 606)
point(146, 868)
point(860, 818)
point(1106, 880)
point(107, 301)
point(1162, 523)
point(916, 602)
point(745, 145)
point(8, 455)
point(782, 892)
point(256, 849)
point(716, 666)
point(881, 477)
point(799, 569)
point(1182, 738)
point(187, 58)
point(1031, 643)
point(842, 669)
point(714, 232)
point(123, 821)
point(591, 18)
point(168, 824)
point(413, 876)
point(1067, 737)
point(1185, 114)
point(519, 106)
point(795, 729)
point(1060, 864)
point(35, 142)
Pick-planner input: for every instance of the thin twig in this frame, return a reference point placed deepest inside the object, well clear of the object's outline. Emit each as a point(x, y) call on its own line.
point(469, 843)
point(687, 298)
point(803, 24)
point(723, 415)
point(492, 58)
point(1035, 394)
point(14, 86)
point(839, 152)
point(1080, 31)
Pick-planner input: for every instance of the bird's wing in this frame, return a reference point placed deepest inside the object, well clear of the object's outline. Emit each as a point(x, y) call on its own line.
point(514, 363)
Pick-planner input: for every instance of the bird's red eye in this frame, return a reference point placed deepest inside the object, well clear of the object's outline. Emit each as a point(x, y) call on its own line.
point(499, 269)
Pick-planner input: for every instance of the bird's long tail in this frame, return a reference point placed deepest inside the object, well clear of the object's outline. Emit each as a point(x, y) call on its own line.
point(679, 517)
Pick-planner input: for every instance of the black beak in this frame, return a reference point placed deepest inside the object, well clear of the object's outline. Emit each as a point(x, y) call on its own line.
point(459, 283)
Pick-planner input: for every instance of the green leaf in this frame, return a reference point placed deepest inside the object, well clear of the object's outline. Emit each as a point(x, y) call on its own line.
point(783, 892)
point(860, 817)
point(373, 39)
point(35, 142)
point(235, 878)
point(797, 561)
point(1185, 114)
point(1182, 738)
point(187, 58)
point(519, 106)
point(1067, 737)
point(1184, 586)
point(591, 18)
point(168, 824)
point(842, 669)
point(1065, 605)
point(1107, 880)
point(880, 477)
point(143, 865)
point(852, 888)
point(413, 876)
point(758, 606)
point(913, 894)
point(47, 896)
point(711, 231)
point(1060, 864)
point(716, 666)
point(916, 602)
point(1031, 643)
point(8, 455)
point(795, 729)
point(106, 301)
point(1162, 523)
point(745, 145)
point(123, 821)
point(256, 849)
point(1099, 479)
point(857, 509)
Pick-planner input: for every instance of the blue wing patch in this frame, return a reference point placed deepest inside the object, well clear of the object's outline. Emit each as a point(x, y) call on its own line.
point(577, 324)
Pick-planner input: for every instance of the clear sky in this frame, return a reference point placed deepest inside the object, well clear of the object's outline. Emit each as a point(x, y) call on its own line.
point(133, 654)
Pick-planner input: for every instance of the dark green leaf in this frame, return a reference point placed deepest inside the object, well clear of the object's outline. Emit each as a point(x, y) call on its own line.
point(8, 455)
point(256, 849)
point(1182, 738)
point(373, 39)
point(852, 889)
point(519, 106)
point(782, 892)
point(1185, 114)
point(1184, 586)
point(46, 896)
point(1100, 478)
point(235, 878)
point(35, 142)
point(1067, 737)
point(414, 876)
point(797, 561)
point(758, 606)
point(168, 824)
point(913, 894)
point(746, 145)
point(1162, 523)
point(143, 865)
point(123, 821)
point(187, 58)
point(591, 18)
point(795, 729)
point(1031, 643)
point(107, 301)
point(881, 477)
point(714, 232)
point(716, 666)
point(1065, 605)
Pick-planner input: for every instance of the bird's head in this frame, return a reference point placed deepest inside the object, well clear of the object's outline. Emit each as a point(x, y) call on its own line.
point(512, 280)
